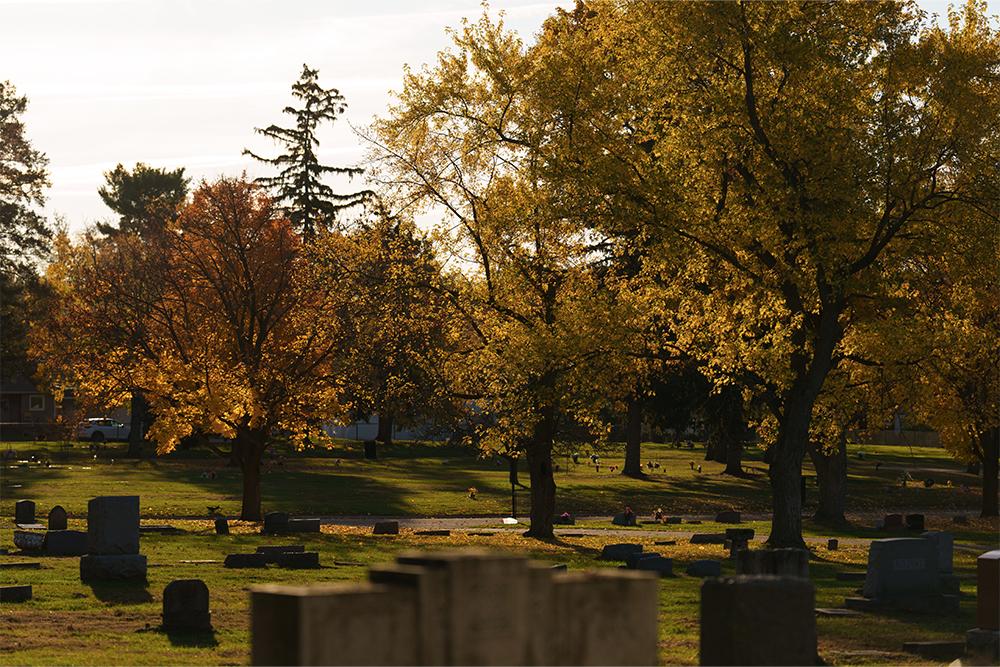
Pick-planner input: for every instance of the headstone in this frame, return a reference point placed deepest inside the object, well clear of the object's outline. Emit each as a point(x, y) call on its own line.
point(221, 526)
point(113, 525)
point(275, 523)
point(371, 451)
point(739, 539)
point(66, 543)
point(632, 559)
point(915, 522)
point(105, 567)
point(673, 519)
point(271, 553)
point(901, 566)
point(622, 519)
point(708, 538)
point(57, 518)
point(665, 543)
point(297, 560)
point(438, 533)
point(185, 606)
point(29, 541)
point(658, 564)
point(945, 545)
point(15, 593)
point(23, 565)
point(938, 651)
point(832, 544)
point(892, 522)
point(730, 516)
point(988, 591)
point(704, 568)
point(246, 560)
point(386, 528)
point(758, 620)
point(619, 551)
point(24, 511)
point(302, 526)
point(777, 562)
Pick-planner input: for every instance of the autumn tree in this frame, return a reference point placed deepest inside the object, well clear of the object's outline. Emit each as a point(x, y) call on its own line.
point(229, 336)
point(536, 331)
point(299, 188)
point(777, 152)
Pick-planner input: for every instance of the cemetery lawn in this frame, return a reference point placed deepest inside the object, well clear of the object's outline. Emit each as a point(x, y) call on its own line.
point(68, 622)
point(430, 479)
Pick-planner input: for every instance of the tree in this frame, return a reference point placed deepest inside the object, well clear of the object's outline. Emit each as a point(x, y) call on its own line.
point(308, 202)
point(231, 339)
point(145, 199)
point(536, 332)
point(25, 236)
point(776, 152)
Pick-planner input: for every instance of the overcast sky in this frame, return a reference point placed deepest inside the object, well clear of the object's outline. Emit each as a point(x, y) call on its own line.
point(184, 82)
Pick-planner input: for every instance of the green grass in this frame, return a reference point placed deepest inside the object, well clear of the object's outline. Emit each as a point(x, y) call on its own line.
point(433, 480)
point(68, 622)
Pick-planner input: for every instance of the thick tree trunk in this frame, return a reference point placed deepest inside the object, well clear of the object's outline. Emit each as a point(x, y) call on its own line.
point(831, 475)
point(385, 424)
point(250, 445)
point(727, 430)
point(989, 444)
point(786, 481)
point(138, 423)
point(543, 482)
point(633, 439)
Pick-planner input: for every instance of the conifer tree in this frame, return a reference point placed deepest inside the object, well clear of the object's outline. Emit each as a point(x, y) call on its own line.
point(298, 188)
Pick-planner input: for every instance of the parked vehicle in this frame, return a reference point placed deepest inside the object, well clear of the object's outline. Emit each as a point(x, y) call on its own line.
point(99, 429)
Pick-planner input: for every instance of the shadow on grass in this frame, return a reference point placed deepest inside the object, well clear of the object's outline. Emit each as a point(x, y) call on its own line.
point(121, 592)
point(192, 639)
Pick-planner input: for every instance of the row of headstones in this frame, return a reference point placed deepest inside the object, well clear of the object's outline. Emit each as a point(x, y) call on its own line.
point(24, 515)
point(630, 519)
point(778, 562)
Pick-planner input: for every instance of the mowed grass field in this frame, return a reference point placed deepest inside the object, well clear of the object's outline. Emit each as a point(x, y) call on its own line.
point(69, 622)
point(429, 479)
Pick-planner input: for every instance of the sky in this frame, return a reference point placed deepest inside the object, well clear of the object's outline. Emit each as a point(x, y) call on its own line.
point(182, 83)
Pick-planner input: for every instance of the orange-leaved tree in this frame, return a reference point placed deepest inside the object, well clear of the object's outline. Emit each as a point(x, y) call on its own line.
point(218, 320)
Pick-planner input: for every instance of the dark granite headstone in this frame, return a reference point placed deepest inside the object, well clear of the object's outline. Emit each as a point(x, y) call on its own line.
point(777, 562)
point(705, 568)
point(66, 543)
point(708, 538)
point(622, 519)
point(275, 523)
point(892, 522)
point(221, 528)
point(303, 526)
point(113, 525)
point(26, 540)
point(386, 528)
point(371, 450)
point(758, 620)
point(24, 511)
point(246, 560)
point(632, 559)
point(915, 522)
point(902, 566)
point(988, 591)
point(619, 551)
point(832, 544)
point(297, 560)
point(15, 593)
point(185, 606)
point(662, 566)
point(729, 516)
point(57, 518)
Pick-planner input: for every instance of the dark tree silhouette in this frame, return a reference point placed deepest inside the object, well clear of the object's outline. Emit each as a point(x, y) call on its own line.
point(144, 198)
point(298, 188)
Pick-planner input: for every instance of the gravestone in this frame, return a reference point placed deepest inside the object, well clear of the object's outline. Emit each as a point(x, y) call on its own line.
point(658, 564)
point(632, 559)
point(221, 527)
point(57, 518)
point(739, 539)
point(15, 593)
point(619, 551)
point(673, 519)
point(708, 538)
point(438, 532)
point(386, 528)
point(245, 560)
point(110, 567)
point(113, 525)
point(945, 545)
point(26, 540)
point(758, 620)
point(66, 543)
point(185, 606)
point(704, 568)
point(903, 574)
point(988, 591)
point(271, 553)
point(275, 523)
point(729, 516)
point(622, 519)
point(24, 512)
point(915, 522)
point(832, 544)
point(892, 522)
point(777, 562)
point(296, 560)
point(371, 451)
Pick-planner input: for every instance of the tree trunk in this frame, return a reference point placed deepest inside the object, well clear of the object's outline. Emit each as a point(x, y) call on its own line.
point(831, 475)
point(786, 481)
point(727, 430)
point(250, 444)
point(543, 482)
point(385, 423)
point(989, 444)
point(138, 422)
point(633, 439)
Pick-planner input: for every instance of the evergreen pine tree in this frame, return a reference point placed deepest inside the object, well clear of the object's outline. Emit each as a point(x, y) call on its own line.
point(299, 188)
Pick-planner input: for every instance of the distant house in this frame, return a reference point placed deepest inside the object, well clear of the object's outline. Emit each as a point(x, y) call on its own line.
point(29, 413)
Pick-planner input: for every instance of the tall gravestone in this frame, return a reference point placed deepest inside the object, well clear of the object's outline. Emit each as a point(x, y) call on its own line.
point(758, 620)
point(185, 606)
point(113, 540)
point(778, 562)
point(903, 573)
point(982, 643)
point(24, 511)
point(57, 518)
